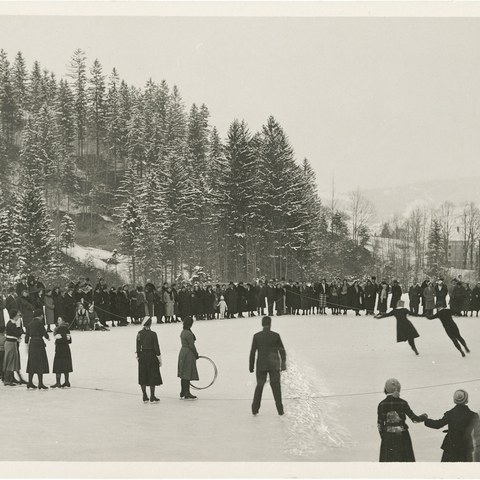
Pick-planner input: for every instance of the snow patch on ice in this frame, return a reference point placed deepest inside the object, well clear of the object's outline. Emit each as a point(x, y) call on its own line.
point(312, 420)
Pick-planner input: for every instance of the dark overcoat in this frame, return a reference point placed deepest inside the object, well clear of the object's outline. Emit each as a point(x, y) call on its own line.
point(475, 302)
point(271, 352)
point(148, 363)
point(396, 445)
point(37, 355)
point(463, 427)
point(187, 358)
point(62, 361)
point(25, 307)
point(405, 329)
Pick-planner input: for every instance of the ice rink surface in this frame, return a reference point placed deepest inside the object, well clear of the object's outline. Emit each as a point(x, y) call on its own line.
point(336, 370)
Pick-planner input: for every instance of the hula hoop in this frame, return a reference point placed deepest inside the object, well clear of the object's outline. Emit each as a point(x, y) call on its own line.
point(215, 373)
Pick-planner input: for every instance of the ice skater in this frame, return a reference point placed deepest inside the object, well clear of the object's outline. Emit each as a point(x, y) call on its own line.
point(62, 362)
point(406, 332)
point(37, 356)
point(462, 442)
point(396, 445)
point(149, 361)
point(271, 359)
point(187, 360)
point(445, 315)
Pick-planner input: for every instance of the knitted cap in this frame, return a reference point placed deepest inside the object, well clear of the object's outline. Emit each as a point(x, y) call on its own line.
point(460, 397)
point(392, 387)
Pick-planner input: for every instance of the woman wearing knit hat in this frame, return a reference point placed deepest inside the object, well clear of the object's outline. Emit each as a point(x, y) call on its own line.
point(396, 443)
point(406, 332)
point(149, 361)
point(462, 442)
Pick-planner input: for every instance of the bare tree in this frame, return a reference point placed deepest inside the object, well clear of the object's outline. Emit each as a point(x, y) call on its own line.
point(361, 211)
point(446, 219)
point(470, 226)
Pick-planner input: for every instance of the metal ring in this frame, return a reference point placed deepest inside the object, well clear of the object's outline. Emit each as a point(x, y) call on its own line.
point(215, 373)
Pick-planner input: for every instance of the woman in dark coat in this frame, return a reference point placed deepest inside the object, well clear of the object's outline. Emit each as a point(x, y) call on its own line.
point(209, 303)
point(122, 307)
point(369, 295)
point(25, 306)
point(356, 297)
point(37, 356)
point(344, 297)
point(251, 300)
point(49, 310)
point(463, 432)
point(187, 359)
point(59, 310)
point(62, 362)
point(140, 307)
point(396, 445)
point(466, 300)
point(406, 332)
point(149, 361)
point(396, 294)
point(475, 301)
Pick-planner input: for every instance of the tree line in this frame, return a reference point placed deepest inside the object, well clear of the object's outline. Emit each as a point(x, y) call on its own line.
point(88, 144)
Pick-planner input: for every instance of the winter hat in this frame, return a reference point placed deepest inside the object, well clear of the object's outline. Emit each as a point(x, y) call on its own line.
point(460, 397)
point(148, 322)
point(38, 313)
point(392, 387)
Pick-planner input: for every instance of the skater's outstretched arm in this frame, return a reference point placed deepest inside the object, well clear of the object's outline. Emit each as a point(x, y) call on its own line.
point(430, 423)
point(431, 317)
point(415, 418)
point(383, 315)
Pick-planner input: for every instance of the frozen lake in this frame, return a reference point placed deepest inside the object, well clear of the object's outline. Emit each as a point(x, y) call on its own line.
point(336, 369)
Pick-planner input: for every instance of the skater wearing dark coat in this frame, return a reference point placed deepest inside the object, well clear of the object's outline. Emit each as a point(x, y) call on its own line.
point(446, 317)
point(396, 445)
point(406, 332)
point(62, 362)
point(37, 356)
point(187, 359)
point(271, 359)
point(462, 442)
point(149, 361)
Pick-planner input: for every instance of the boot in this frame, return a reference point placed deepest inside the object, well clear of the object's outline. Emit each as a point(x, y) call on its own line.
point(57, 383)
point(41, 385)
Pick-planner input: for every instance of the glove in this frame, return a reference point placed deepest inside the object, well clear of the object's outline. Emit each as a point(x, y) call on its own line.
point(251, 370)
point(159, 360)
point(197, 356)
point(58, 337)
point(423, 417)
point(284, 367)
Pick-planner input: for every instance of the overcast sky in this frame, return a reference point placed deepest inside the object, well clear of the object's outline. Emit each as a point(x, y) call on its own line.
point(382, 101)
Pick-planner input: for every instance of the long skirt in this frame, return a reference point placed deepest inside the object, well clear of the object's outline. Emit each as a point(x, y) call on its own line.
point(149, 369)
point(11, 359)
point(187, 365)
point(37, 357)
point(396, 447)
point(62, 362)
point(322, 300)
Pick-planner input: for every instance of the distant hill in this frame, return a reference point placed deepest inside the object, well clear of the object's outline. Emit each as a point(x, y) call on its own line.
point(404, 198)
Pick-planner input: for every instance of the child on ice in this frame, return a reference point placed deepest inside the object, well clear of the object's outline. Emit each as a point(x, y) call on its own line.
point(222, 307)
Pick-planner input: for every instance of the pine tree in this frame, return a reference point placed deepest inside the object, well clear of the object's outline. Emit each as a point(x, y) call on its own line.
point(20, 78)
point(35, 230)
point(8, 108)
point(68, 232)
point(96, 104)
point(113, 125)
point(11, 255)
point(35, 96)
point(435, 250)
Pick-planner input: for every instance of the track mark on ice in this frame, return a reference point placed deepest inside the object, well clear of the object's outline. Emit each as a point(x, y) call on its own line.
point(310, 422)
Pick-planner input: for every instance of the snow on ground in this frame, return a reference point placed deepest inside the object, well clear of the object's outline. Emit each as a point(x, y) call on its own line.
point(336, 369)
point(99, 259)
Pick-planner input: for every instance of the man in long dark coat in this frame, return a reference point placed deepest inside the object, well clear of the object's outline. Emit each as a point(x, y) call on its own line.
point(271, 359)
point(261, 290)
point(241, 299)
point(231, 298)
point(396, 294)
point(415, 295)
point(462, 442)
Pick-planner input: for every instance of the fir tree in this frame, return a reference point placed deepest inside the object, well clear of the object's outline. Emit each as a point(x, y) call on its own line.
point(35, 230)
point(435, 249)
point(68, 232)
